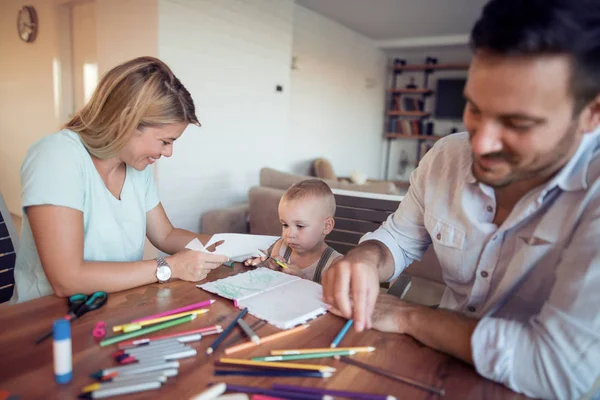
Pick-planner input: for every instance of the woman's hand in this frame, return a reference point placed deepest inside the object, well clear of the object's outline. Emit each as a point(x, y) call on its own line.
point(193, 266)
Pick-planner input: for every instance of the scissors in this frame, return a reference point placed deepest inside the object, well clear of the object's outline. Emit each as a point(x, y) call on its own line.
point(80, 304)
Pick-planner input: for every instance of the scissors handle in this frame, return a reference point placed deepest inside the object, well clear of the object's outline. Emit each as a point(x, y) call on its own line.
point(95, 301)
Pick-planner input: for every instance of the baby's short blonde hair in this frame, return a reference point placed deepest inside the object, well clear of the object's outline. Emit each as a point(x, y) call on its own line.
point(312, 188)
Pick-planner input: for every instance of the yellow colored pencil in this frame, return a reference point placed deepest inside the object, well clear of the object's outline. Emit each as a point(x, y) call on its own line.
point(320, 350)
point(139, 325)
point(265, 339)
point(284, 365)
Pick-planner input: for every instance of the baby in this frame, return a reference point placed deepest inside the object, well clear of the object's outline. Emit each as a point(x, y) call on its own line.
point(306, 212)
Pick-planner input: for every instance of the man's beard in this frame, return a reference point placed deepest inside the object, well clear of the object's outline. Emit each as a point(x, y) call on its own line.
point(562, 148)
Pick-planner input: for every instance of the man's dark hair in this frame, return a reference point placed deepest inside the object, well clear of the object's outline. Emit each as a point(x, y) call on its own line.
point(546, 27)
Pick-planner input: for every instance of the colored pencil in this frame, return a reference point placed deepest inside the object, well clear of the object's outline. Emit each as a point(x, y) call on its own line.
point(276, 393)
point(248, 331)
point(394, 377)
point(226, 332)
point(272, 373)
point(208, 330)
point(133, 387)
point(237, 337)
point(135, 369)
point(284, 365)
point(307, 356)
point(107, 385)
point(139, 325)
point(211, 393)
point(336, 393)
point(177, 310)
point(167, 373)
point(319, 350)
point(342, 333)
point(143, 331)
point(265, 339)
point(167, 356)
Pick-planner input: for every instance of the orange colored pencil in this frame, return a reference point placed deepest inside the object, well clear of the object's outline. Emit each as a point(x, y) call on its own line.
point(265, 339)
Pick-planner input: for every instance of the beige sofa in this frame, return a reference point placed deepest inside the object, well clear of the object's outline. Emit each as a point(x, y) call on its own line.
point(421, 283)
point(259, 215)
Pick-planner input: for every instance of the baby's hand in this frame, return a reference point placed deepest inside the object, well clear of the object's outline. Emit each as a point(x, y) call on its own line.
point(253, 262)
point(279, 265)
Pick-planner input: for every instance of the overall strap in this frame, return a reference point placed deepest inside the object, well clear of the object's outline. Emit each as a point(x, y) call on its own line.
point(270, 250)
point(322, 263)
point(287, 254)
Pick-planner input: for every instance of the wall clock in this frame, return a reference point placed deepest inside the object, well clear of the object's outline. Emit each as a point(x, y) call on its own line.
point(27, 23)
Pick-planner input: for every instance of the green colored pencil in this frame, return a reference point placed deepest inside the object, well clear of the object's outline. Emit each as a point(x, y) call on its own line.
point(143, 331)
point(306, 356)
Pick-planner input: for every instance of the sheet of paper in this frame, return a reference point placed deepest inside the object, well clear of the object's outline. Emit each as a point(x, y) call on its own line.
point(248, 283)
point(280, 299)
point(196, 245)
point(239, 247)
point(287, 306)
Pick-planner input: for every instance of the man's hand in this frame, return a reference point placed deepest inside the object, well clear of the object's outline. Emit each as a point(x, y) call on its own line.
point(351, 284)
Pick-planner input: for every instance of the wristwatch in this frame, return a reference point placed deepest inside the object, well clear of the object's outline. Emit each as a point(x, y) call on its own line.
point(163, 270)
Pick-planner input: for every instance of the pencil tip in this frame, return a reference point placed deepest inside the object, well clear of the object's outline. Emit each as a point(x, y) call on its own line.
point(209, 350)
point(96, 375)
point(256, 339)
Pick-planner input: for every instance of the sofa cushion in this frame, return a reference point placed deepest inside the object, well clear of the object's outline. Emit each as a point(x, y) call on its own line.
point(323, 169)
point(273, 178)
point(232, 219)
point(262, 205)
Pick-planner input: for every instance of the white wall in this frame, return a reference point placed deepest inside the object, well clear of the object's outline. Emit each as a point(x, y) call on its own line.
point(230, 55)
point(337, 97)
point(31, 89)
point(125, 29)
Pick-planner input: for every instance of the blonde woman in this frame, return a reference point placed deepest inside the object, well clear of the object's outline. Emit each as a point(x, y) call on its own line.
point(89, 198)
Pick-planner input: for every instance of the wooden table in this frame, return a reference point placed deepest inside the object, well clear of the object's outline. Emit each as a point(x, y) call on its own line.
point(27, 370)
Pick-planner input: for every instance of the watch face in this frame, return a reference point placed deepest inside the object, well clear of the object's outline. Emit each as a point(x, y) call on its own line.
point(163, 273)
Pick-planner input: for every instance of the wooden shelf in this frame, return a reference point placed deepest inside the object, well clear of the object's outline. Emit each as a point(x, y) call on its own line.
point(424, 67)
point(411, 91)
point(419, 114)
point(408, 136)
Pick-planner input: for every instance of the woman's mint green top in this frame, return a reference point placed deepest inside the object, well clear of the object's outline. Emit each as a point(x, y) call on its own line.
point(59, 171)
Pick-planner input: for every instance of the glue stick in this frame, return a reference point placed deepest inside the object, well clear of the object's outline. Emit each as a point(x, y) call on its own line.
point(63, 364)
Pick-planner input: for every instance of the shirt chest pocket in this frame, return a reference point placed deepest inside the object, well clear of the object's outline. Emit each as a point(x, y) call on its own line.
point(449, 243)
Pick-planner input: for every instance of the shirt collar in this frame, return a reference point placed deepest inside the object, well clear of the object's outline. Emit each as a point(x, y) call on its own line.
point(573, 176)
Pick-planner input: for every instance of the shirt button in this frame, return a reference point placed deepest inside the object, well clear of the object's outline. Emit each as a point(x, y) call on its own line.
point(471, 309)
point(439, 236)
point(490, 208)
point(484, 274)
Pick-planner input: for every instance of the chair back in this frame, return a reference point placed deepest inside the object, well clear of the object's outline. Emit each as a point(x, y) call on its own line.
point(358, 213)
point(8, 252)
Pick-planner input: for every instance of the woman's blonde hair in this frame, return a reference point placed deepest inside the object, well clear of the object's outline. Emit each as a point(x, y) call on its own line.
point(138, 93)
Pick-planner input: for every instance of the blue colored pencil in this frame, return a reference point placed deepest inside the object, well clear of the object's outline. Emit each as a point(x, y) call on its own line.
point(342, 333)
point(226, 332)
point(272, 373)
